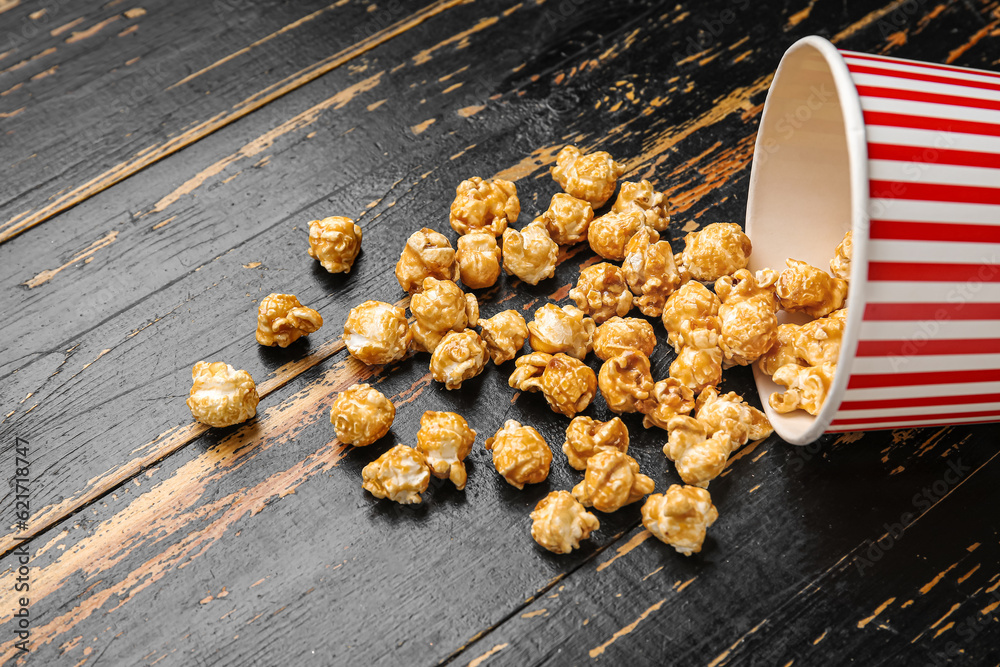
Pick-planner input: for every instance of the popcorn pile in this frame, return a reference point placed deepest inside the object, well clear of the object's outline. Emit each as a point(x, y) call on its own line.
point(734, 325)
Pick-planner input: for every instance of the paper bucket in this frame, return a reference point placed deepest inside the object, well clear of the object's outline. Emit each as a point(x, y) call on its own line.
point(906, 154)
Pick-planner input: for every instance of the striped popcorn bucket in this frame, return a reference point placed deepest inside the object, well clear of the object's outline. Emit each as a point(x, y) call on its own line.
point(907, 155)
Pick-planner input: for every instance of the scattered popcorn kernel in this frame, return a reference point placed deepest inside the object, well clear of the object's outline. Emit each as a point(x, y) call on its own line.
point(680, 517)
point(804, 288)
point(530, 254)
point(567, 219)
point(520, 454)
point(810, 344)
point(698, 454)
point(565, 329)
point(691, 317)
point(221, 395)
point(559, 522)
point(670, 398)
point(586, 436)
point(807, 387)
point(840, 265)
point(717, 250)
point(601, 292)
point(643, 197)
point(504, 335)
point(612, 481)
point(401, 475)
point(747, 315)
point(361, 415)
point(478, 258)
point(282, 320)
point(698, 369)
point(626, 382)
point(441, 306)
point(591, 177)
point(733, 415)
point(335, 242)
point(650, 271)
point(427, 254)
point(377, 333)
point(460, 356)
point(484, 205)
point(444, 440)
point(609, 234)
point(621, 334)
point(567, 383)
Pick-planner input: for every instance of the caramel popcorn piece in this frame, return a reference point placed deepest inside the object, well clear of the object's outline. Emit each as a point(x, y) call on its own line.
point(221, 395)
point(807, 387)
point(717, 250)
point(441, 306)
point(520, 454)
point(747, 315)
point(530, 254)
point(840, 265)
point(335, 242)
point(427, 254)
point(601, 292)
point(478, 259)
point(567, 219)
point(401, 475)
point(361, 415)
point(612, 481)
point(484, 205)
point(609, 234)
point(626, 382)
point(733, 415)
point(565, 329)
point(504, 335)
point(559, 522)
point(460, 356)
point(680, 517)
point(377, 333)
point(567, 383)
point(810, 344)
point(642, 197)
point(698, 453)
point(621, 334)
point(804, 288)
point(444, 440)
point(698, 369)
point(691, 318)
point(586, 436)
point(591, 177)
point(670, 398)
point(650, 271)
point(282, 320)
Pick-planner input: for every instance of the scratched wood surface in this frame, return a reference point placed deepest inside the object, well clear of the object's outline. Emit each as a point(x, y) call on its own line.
point(158, 542)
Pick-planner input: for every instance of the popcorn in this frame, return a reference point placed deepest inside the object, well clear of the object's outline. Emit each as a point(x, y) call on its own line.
point(730, 413)
point(699, 454)
point(282, 320)
point(444, 440)
point(698, 369)
point(840, 265)
point(460, 356)
point(478, 259)
point(565, 329)
point(670, 397)
point(650, 271)
point(601, 292)
point(484, 205)
point(401, 475)
point(221, 395)
point(567, 219)
point(810, 344)
point(644, 198)
point(530, 254)
point(747, 315)
point(626, 382)
point(609, 234)
point(804, 288)
point(559, 522)
point(567, 383)
point(591, 177)
point(361, 415)
point(807, 387)
point(520, 454)
point(440, 307)
point(621, 334)
point(612, 481)
point(680, 517)
point(717, 250)
point(335, 242)
point(586, 436)
point(377, 333)
point(427, 254)
point(504, 335)
point(691, 318)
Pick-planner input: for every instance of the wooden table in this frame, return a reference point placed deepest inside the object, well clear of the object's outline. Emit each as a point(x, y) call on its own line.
point(160, 163)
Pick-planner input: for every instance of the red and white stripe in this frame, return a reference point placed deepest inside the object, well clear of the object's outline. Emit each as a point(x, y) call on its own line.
point(929, 346)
